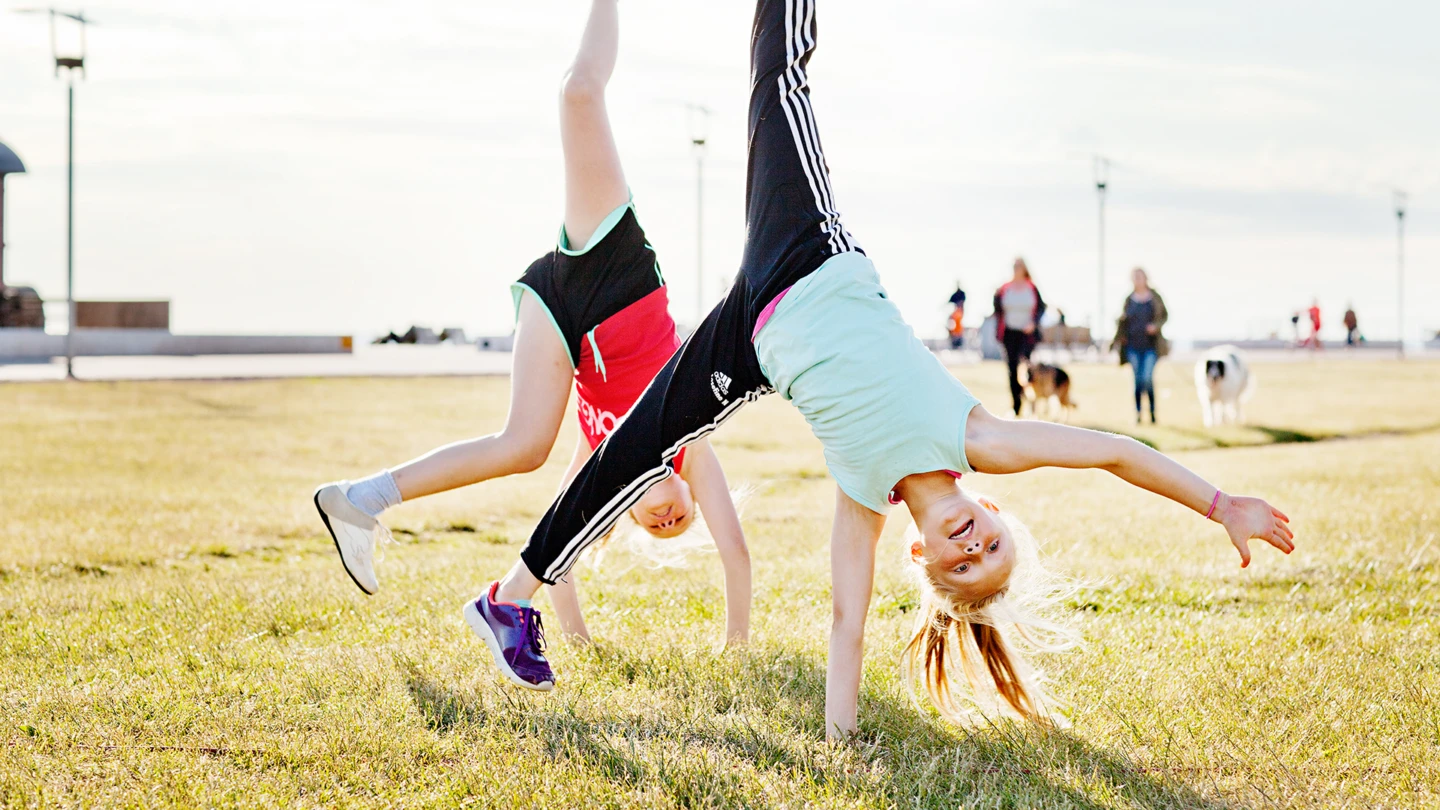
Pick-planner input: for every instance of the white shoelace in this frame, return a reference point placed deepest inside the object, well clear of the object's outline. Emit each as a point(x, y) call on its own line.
point(383, 538)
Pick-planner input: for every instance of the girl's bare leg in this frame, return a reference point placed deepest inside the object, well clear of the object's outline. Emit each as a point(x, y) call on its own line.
point(539, 391)
point(594, 180)
point(594, 186)
point(563, 594)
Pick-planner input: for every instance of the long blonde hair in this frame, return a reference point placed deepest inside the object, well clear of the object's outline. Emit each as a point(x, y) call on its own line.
point(988, 639)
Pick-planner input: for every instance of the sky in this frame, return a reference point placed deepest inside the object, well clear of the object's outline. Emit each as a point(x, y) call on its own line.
point(351, 168)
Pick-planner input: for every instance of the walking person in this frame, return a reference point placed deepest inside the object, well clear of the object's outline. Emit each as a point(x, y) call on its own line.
point(807, 316)
point(595, 311)
point(955, 324)
point(1139, 339)
point(1352, 327)
point(1018, 309)
point(1314, 313)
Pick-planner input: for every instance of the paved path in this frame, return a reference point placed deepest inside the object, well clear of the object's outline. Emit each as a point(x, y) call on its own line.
point(366, 361)
point(433, 361)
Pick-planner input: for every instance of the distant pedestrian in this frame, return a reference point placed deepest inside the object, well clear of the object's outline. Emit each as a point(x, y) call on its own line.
point(955, 324)
point(1352, 326)
point(1314, 313)
point(1295, 328)
point(1018, 307)
point(1139, 339)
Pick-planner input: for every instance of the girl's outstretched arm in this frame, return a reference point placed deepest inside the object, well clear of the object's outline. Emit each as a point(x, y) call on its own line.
point(997, 446)
point(853, 538)
point(707, 480)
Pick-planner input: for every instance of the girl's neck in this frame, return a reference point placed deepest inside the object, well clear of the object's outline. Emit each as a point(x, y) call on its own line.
point(919, 489)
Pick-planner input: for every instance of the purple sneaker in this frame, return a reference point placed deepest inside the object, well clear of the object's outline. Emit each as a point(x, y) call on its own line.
point(515, 638)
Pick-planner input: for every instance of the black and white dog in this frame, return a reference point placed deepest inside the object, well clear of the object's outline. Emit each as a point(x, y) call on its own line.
point(1224, 383)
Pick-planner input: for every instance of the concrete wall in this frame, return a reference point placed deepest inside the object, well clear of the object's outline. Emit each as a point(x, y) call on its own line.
point(35, 344)
point(122, 314)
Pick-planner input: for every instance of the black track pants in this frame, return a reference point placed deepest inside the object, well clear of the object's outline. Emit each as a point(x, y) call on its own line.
point(792, 228)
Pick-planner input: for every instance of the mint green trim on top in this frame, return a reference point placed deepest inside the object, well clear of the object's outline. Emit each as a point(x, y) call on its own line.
point(659, 275)
point(518, 289)
point(562, 242)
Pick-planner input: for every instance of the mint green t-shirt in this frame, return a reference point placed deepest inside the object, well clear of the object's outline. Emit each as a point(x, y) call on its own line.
point(881, 404)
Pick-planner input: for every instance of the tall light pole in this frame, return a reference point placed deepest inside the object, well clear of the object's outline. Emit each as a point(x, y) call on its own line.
point(1102, 182)
point(699, 116)
point(1400, 199)
point(69, 64)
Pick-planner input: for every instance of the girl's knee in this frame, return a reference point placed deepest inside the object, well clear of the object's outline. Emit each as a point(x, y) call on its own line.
point(579, 89)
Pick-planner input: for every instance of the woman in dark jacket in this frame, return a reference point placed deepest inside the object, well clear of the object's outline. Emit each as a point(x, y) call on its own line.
point(1139, 339)
point(1018, 307)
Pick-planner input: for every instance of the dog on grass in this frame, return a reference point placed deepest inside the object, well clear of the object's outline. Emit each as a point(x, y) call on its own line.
point(1224, 383)
point(1050, 385)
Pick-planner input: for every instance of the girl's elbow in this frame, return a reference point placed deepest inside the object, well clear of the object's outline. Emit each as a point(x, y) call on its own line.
point(734, 553)
point(846, 620)
point(738, 571)
point(1125, 451)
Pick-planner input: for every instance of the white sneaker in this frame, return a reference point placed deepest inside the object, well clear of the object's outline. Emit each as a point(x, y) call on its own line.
point(353, 532)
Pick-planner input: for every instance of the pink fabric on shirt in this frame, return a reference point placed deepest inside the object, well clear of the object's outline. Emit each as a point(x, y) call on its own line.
point(767, 312)
point(895, 499)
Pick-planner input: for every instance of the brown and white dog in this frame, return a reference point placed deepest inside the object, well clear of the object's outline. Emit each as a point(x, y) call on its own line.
point(1050, 385)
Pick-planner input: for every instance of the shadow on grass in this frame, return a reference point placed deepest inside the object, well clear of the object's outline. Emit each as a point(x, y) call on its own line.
point(1236, 436)
point(1271, 435)
point(1278, 435)
point(761, 712)
point(1286, 436)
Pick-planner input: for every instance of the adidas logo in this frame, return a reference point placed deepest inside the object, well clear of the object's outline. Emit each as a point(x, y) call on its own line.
point(720, 386)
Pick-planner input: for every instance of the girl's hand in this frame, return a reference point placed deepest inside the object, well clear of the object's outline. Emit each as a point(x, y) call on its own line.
point(1251, 518)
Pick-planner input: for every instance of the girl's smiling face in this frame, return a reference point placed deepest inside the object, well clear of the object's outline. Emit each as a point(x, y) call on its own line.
point(964, 546)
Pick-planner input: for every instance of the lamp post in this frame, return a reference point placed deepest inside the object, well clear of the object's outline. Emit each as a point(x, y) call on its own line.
point(69, 64)
point(1102, 182)
point(699, 116)
point(1400, 198)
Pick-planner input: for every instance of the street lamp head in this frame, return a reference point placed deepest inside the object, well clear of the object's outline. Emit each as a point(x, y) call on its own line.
point(1400, 199)
point(698, 118)
point(68, 62)
point(1102, 172)
point(10, 162)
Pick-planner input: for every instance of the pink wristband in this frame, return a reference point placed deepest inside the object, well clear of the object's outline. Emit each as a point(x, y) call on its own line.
point(1212, 505)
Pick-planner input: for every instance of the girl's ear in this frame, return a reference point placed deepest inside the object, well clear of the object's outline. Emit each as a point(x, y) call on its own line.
point(989, 504)
point(917, 552)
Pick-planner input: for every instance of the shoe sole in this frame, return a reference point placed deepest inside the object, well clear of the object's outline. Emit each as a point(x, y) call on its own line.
point(336, 540)
point(481, 628)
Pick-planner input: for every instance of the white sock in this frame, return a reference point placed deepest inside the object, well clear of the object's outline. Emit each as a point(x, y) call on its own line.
point(375, 494)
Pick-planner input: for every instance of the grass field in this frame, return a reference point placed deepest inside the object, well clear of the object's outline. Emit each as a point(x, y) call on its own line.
point(175, 628)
